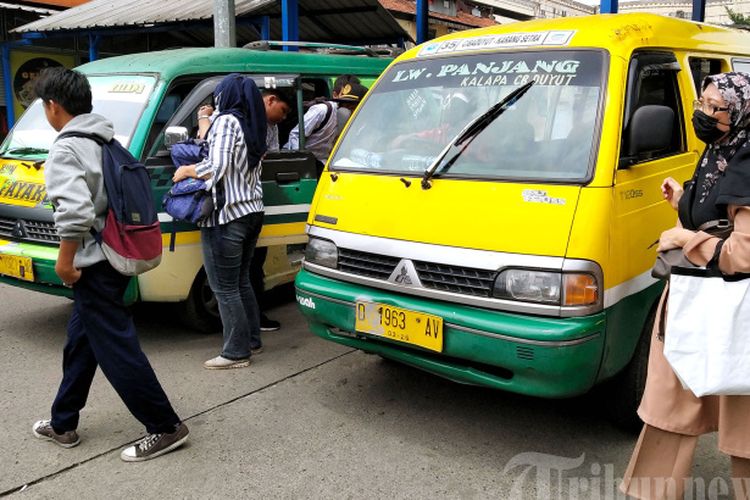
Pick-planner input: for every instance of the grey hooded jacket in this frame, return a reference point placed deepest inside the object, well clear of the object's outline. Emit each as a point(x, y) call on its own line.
point(75, 185)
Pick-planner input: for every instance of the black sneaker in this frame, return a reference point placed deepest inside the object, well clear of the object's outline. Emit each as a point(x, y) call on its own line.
point(268, 325)
point(155, 445)
point(43, 430)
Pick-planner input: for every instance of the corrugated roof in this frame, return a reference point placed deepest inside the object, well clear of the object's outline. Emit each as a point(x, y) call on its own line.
point(27, 8)
point(320, 20)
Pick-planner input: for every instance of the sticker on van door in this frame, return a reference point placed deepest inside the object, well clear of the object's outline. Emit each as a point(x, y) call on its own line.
point(489, 42)
point(541, 196)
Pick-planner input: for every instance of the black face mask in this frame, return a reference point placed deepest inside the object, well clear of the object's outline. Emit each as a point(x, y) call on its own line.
point(705, 127)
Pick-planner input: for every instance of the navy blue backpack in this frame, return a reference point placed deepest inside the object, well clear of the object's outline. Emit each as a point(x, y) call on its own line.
point(188, 200)
point(131, 238)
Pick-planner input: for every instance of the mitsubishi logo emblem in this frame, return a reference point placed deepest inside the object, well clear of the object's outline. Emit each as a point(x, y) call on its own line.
point(403, 278)
point(19, 231)
point(405, 274)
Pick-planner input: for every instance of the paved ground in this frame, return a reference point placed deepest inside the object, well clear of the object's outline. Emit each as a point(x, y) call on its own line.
point(309, 419)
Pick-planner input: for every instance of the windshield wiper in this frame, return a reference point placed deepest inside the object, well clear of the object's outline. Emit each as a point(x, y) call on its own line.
point(26, 151)
point(470, 131)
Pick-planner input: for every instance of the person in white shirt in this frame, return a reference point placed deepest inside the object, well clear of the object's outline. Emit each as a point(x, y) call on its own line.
point(321, 122)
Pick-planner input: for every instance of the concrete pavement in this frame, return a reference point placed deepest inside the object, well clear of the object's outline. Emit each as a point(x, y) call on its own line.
point(309, 419)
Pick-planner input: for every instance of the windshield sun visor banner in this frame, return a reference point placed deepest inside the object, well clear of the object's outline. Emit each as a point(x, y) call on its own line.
point(490, 42)
point(544, 68)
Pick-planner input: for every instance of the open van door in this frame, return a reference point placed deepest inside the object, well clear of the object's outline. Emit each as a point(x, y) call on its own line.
point(289, 177)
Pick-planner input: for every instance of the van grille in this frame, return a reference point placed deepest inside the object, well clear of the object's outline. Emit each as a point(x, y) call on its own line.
point(366, 264)
point(456, 279)
point(443, 277)
point(38, 231)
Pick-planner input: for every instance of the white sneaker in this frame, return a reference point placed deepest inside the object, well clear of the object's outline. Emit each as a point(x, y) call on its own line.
point(222, 363)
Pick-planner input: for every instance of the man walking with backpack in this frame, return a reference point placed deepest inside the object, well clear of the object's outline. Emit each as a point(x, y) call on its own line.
point(100, 331)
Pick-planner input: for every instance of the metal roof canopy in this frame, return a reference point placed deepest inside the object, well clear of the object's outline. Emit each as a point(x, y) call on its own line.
point(363, 21)
point(699, 9)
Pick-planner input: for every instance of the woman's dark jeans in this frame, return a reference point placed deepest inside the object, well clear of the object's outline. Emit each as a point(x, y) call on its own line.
point(227, 252)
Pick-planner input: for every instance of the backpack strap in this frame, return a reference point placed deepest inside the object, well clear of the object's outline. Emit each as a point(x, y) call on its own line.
point(326, 119)
point(97, 139)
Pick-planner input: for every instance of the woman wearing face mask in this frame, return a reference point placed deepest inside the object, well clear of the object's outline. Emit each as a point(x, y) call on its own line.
point(720, 188)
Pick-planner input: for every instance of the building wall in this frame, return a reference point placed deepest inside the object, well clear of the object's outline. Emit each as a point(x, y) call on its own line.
point(540, 8)
point(716, 12)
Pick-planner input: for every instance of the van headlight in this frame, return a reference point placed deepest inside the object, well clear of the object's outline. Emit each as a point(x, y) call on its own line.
point(547, 287)
point(322, 252)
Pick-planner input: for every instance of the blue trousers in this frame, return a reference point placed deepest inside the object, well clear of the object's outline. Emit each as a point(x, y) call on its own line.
point(227, 253)
point(101, 332)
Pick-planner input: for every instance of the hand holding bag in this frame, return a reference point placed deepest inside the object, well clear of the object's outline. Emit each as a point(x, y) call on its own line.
point(707, 339)
point(188, 200)
point(675, 257)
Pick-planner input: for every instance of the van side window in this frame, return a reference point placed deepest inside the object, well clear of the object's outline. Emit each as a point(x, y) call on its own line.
point(742, 65)
point(700, 68)
point(652, 80)
point(167, 108)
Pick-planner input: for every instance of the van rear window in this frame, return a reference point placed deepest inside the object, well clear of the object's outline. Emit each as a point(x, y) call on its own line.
point(419, 106)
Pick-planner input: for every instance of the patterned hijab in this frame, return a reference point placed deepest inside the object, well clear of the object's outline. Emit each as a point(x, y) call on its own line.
point(735, 90)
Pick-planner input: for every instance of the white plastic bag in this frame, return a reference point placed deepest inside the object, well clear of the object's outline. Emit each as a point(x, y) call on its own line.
point(707, 338)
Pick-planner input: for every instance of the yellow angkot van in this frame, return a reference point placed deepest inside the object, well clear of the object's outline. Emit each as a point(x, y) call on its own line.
point(489, 214)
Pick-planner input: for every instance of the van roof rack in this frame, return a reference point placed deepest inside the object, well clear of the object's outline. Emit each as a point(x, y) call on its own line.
point(333, 48)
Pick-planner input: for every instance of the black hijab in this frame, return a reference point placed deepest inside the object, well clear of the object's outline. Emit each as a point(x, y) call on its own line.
point(239, 96)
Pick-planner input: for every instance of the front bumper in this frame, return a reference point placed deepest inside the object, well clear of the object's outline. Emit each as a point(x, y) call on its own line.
point(43, 259)
point(537, 356)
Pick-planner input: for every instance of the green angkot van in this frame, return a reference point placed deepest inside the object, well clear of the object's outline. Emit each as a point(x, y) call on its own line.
point(144, 94)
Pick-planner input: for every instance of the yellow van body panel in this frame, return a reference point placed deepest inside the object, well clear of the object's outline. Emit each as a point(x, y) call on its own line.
point(378, 205)
point(21, 183)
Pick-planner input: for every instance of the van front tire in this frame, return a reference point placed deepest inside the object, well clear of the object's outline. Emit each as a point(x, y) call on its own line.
point(201, 311)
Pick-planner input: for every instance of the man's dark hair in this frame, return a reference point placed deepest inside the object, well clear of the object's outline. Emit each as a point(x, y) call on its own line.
point(69, 88)
point(281, 95)
point(344, 80)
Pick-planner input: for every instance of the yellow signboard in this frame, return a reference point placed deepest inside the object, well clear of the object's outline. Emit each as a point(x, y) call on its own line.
point(25, 67)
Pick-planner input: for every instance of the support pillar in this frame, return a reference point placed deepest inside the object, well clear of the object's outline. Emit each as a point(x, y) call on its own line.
point(94, 47)
point(699, 10)
point(8, 85)
point(265, 28)
point(225, 31)
point(608, 7)
point(423, 17)
point(290, 22)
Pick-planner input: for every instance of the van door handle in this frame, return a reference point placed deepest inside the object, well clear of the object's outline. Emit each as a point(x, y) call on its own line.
point(287, 177)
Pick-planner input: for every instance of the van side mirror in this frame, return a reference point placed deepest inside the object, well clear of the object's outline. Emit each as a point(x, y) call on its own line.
point(173, 135)
point(650, 131)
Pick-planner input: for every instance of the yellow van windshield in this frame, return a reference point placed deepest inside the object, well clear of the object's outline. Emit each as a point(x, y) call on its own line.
point(419, 106)
point(120, 98)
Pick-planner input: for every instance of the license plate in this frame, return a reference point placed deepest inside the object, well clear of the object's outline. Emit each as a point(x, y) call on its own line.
point(402, 325)
point(17, 267)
